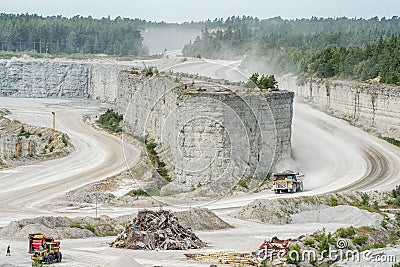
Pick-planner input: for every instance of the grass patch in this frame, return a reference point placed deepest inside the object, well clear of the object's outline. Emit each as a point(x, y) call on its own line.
point(333, 202)
point(76, 225)
point(345, 232)
point(309, 242)
point(110, 120)
point(360, 239)
point(91, 228)
point(138, 193)
point(392, 141)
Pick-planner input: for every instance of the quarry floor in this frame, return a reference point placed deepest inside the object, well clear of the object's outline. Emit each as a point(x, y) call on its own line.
point(333, 154)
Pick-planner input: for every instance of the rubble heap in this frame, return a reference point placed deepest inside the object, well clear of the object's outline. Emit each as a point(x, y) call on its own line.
point(157, 230)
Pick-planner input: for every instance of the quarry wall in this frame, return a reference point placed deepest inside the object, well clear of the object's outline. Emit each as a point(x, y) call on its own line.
point(208, 131)
point(374, 107)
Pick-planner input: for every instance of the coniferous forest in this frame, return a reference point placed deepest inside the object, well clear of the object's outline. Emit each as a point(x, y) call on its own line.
point(358, 49)
point(58, 34)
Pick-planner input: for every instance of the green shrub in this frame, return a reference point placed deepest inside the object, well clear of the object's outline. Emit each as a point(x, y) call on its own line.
point(365, 199)
point(397, 218)
point(309, 242)
point(149, 71)
point(396, 195)
point(360, 239)
point(64, 139)
point(345, 232)
point(263, 82)
point(37, 263)
point(392, 141)
point(111, 120)
point(384, 223)
point(333, 202)
point(155, 159)
point(24, 133)
point(76, 225)
point(294, 251)
point(138, 192)
point(243, 183)
point(91, 228)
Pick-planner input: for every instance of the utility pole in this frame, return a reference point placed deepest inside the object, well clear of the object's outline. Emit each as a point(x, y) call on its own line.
point(97, 193)
point(54, 123)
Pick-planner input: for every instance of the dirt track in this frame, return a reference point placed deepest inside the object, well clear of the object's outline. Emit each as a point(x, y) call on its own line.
point(97, 155)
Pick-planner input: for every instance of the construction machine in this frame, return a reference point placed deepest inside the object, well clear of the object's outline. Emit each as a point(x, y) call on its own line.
point(49, 253)
point(44, 249)
point(288, 181)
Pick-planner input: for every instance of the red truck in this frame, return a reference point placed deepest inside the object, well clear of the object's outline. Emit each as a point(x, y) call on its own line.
point(36, 241)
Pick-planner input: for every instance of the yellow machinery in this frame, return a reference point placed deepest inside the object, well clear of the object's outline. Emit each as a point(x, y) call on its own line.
point(48, 253)
point(288, 181)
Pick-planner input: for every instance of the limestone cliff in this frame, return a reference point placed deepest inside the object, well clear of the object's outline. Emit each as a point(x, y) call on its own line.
point(374, 107)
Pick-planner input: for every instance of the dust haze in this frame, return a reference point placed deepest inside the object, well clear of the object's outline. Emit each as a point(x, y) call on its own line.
point(159, 39)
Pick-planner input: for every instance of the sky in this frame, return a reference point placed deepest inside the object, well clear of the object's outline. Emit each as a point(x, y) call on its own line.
point(196, 10)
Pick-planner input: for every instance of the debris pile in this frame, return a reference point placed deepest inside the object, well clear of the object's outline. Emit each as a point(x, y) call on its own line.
point(157, 230)
point(271, 252)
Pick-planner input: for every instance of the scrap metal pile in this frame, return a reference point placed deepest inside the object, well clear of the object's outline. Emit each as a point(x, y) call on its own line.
point(157, 230)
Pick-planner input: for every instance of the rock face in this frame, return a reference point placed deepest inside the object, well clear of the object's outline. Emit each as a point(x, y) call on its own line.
point(205, 132)
point(24, 78)
point(374, 107)
point(208, 132)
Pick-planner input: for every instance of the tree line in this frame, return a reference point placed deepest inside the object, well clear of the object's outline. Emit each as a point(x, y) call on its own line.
point(57, 34)
point(344, 48)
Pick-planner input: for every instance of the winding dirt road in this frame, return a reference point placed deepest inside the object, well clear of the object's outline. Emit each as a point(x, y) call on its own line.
point(97, 155)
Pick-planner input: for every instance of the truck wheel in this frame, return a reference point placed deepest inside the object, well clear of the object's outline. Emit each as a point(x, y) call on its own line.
point(276, 191)
point(58, 256)
point(50, 259)
point(294, 187)
point(301, 187)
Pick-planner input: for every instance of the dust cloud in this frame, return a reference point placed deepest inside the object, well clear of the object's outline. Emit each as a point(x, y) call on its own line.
point(159, 39)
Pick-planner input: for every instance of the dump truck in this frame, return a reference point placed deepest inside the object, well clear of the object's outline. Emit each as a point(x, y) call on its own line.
point(288, 181)
point(36, 241)
point(48, 253)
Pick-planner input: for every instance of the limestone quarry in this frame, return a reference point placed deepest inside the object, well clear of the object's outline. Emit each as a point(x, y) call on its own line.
point(211, 135)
